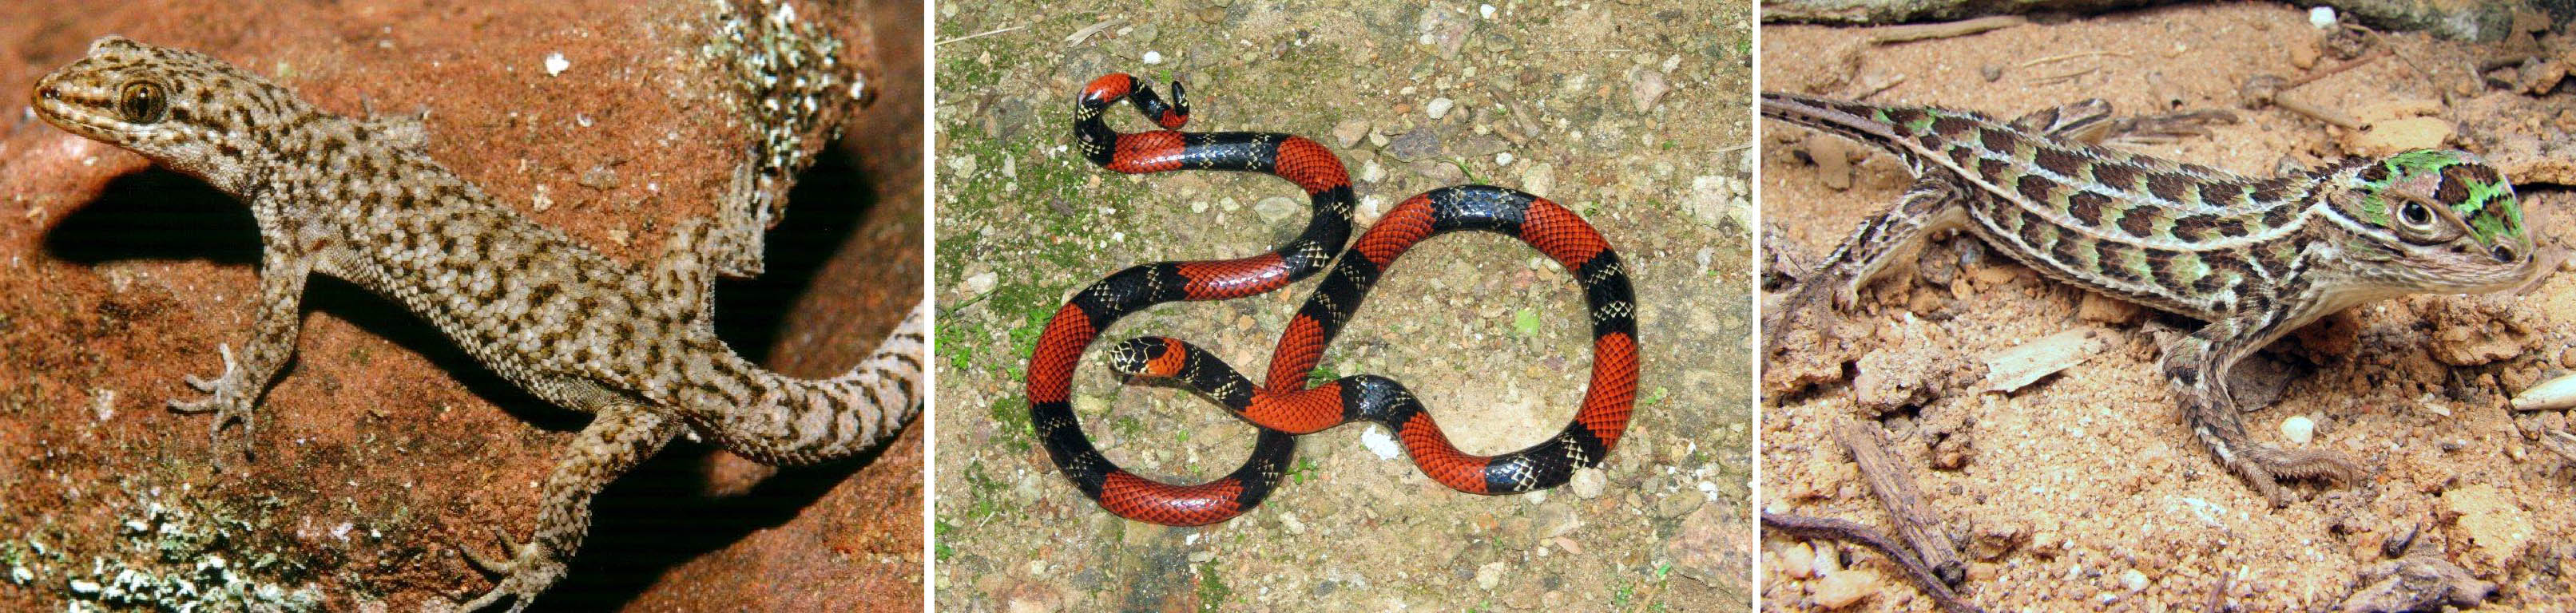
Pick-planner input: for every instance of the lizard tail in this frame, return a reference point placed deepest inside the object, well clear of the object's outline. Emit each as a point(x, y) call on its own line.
point(786, 421)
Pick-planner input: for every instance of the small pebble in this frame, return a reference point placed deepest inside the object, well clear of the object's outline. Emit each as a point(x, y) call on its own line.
point(2298, 429)
point(1799, 560)
point(555, 64)
point(2133, 580)
point(1846, 588)
point(1153, 57)
point(1588, 482)
point(1489, 575)
point(1275, 209)
point(1439, 107)
point(2321, 17)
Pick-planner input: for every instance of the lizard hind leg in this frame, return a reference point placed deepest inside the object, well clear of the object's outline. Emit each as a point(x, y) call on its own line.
point(2087, 120)
point(1888, 238)
point(615, 442)
point(2092, 120)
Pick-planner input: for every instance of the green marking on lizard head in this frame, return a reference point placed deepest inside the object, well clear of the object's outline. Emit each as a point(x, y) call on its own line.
point(2474, 191)
point(2454, 220)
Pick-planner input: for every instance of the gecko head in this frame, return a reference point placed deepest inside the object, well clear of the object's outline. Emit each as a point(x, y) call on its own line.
point(184, 109)
point(2448, 220)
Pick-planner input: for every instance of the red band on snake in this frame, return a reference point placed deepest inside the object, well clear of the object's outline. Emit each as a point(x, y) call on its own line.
point(1286, 406)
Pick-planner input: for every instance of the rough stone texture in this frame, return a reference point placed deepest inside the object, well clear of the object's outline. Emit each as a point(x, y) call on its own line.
point(383, 444)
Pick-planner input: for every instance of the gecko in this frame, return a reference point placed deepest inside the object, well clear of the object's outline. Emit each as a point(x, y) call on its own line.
point(2253, 257)
point(359, 199)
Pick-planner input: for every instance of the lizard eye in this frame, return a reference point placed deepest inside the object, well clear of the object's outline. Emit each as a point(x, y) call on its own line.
point(142, 102)
point(2503, 253)
point(2414, 214)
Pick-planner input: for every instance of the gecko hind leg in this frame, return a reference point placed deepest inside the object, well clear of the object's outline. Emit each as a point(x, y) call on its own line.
point(1929, 206)
point(615, 442)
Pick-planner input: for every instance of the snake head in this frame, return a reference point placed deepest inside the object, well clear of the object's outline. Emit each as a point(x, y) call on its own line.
point(1148, 357)
point(2448, 220)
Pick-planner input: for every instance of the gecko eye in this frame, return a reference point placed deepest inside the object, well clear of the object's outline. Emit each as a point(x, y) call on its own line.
point(2414, 214)
point(2503, 253)
point(142, 102)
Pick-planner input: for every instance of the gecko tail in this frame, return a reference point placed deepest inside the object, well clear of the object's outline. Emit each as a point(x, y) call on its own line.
point(792, 422)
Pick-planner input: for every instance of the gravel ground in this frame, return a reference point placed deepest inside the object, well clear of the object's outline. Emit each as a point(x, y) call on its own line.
point(2084, 490)
point(1634, 115)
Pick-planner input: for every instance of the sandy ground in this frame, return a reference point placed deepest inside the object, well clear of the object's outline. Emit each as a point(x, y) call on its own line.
point(2084, 491)
point(383, 444)
point(1476, 323)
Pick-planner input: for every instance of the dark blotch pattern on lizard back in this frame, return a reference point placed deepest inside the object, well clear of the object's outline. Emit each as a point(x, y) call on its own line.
point(358, 199)
point(2254, 258)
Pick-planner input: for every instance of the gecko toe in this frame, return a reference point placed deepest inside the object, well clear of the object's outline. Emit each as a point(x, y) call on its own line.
point(527, 573)
point(486, 564)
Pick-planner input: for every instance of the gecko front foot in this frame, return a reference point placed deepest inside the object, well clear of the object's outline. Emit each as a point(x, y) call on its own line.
point(529, 571)
point(228, 396)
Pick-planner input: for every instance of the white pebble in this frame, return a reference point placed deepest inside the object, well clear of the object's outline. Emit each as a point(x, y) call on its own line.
point(2133, 580)
point(2298, 429)
point(1153, 57)
point(1503, 159)
point(1487, 10)
point(555, 64)
point(1440, 107)
point(1587, 482)
point(2322, 17)
point(1379, 442)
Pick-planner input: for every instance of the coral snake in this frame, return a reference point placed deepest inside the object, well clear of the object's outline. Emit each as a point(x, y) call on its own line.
point(1286, 405)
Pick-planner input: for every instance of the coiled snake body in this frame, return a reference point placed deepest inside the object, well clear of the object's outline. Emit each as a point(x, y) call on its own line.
point(1285, 406)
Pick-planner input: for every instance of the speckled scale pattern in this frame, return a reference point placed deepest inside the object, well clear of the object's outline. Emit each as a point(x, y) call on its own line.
point(359, 199)
point(2255, 258)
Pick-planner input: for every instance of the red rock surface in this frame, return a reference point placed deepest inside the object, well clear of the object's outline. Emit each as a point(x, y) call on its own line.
point(383, 445)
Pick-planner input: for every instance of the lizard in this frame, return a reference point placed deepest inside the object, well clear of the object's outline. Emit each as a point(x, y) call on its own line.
point(2254, 258)
point(360, 199)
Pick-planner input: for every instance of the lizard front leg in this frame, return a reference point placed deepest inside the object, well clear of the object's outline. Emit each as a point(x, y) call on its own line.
point(272, 339)
point(2197, 367)
point(621, 437)
point(1930, 205)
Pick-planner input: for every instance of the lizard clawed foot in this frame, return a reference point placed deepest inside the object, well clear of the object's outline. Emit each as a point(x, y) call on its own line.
point(528, 572)
point(1800, 309)
point(227, 396)
point(2262, 465)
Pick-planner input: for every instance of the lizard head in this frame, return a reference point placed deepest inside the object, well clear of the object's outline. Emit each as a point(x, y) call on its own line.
point(2450, 220)
point(184, 109)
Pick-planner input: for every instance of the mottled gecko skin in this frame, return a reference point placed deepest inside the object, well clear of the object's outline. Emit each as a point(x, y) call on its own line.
point(358, 199)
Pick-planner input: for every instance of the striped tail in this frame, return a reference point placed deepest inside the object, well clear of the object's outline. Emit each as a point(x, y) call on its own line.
point(785, 421)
